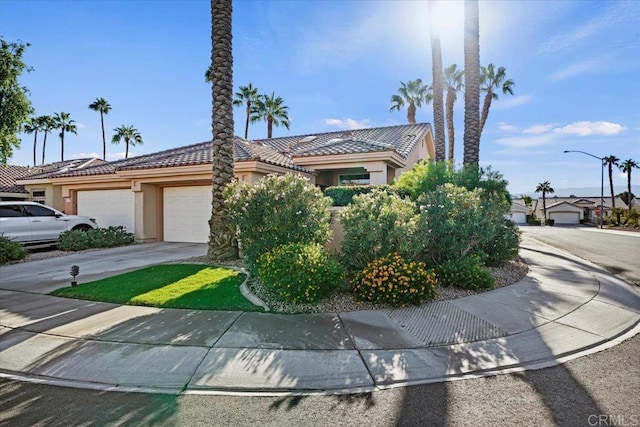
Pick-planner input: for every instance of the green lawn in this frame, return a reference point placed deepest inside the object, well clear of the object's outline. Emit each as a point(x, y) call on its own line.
point(193, 286)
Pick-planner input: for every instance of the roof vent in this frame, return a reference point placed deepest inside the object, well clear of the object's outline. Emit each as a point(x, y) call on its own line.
point(309, 138)
point(347, 133)
point(334, 140)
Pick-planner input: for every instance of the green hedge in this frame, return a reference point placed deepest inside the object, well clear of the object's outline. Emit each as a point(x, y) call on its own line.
point(342, 195)
point(77, 240)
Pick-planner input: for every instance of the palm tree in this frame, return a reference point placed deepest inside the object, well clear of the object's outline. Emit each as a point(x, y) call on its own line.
point(65, 124)
point(471, 83)
point(611, 161)
point(414, 93)
point(247, 95)
point(48, 124)
point(222, 243)
point(493, 80)
point(130, 135)
point(208, 75)
point(103, 107)
point(33, 126)
point(272, 110)
point(545, 188)
point(438, 83)
point(626, 167)
point(453, 78)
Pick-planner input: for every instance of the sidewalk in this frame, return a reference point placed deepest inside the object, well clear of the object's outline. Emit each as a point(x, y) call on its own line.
point(563, 309)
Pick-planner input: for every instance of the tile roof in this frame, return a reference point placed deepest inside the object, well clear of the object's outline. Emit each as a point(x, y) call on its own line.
point(8, 176)
point(277, 151)
point(52, 169)
point(400, 138)
point(190, 155)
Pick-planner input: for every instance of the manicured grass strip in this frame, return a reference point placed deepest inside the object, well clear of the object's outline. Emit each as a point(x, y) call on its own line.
point(194, 286)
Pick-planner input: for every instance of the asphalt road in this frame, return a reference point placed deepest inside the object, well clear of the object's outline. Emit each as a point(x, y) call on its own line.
point(617, 252)
point(596, 390)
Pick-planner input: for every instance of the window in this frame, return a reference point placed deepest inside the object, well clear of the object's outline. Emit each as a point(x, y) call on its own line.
point(38, 196)
point(38, 211)
point(10, 211)
point(355, 179)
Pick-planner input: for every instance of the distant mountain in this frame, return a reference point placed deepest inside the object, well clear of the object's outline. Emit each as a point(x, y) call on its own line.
point(586, 191)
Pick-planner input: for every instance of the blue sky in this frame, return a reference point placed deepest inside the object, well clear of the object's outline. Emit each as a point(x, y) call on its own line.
point(576, 65)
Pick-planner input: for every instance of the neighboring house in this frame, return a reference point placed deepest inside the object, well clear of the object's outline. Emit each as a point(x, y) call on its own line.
point(166, 196)
point(42, 191)
point(570, 210)
point(519, 211)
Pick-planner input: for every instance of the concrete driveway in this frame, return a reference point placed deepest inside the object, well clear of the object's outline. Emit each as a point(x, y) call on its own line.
point(50, 274)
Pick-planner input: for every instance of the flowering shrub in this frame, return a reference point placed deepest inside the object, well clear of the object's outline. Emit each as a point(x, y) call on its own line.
point(275, 211)
point(376, 224)
point(465, 273)
point(299, 273)
point(393, 281)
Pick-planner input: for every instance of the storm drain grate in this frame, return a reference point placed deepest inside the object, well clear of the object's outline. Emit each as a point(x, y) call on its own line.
point(443, 323)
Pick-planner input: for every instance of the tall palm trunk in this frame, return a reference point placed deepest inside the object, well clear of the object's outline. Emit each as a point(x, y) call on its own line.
point(222, 244)
point(126, 147)
point(246, 124)
point(613, 199)
point(104, 140)
point(411, 113)
point(62, 145)
point(35, 143)
point(485, 110)
point(269, 127)
point(544, 204)
point(44, 146)
point(629, 199)
point(472, 83)
point(438, 85)
point(450, 128)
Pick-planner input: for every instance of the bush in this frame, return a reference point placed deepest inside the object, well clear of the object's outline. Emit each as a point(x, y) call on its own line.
point(376, 224)
point(109, 237)
point(343, 195)
point(427, 176)
point(465, 273)
point(10, 250)
point(275, 211)
point(456, 223)
point(391, 280)
point(299, 273)
point(504, 245)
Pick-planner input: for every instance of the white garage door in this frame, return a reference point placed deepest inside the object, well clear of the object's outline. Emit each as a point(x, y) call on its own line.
point(565, 217)
point(519, 217)
point(186, 214)
point(108, 207)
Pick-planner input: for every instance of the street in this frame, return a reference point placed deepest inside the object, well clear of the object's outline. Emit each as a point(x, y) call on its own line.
point(617, 252)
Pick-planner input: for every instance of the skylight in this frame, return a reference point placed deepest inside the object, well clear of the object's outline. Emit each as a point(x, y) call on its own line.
point(308, 138)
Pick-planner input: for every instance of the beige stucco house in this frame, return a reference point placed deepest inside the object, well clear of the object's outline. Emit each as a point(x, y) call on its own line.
point(572, 209)
point(166, 196)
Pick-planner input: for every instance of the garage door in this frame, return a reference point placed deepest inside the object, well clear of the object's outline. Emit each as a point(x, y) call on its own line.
point(519, 217)
point(565, 217)
point(186, 214)
point(108, 207)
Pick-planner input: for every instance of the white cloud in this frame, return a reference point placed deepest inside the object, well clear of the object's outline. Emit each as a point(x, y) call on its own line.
point(506, 127)
point(348, 123)
point(586, 128)
point(528, 141)
point(619, 14)
point(587, 66)
point(538, 129)
point(81, 125)
point(508, 103)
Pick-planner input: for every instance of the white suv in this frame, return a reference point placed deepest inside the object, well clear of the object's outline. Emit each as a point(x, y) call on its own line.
point(33, 224)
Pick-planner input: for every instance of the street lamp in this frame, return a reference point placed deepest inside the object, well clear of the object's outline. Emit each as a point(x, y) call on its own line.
point(601, 179)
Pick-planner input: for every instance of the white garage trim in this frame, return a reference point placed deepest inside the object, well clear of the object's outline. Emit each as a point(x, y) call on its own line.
point(186, 213)
point(565, 217)
point(108, 207)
